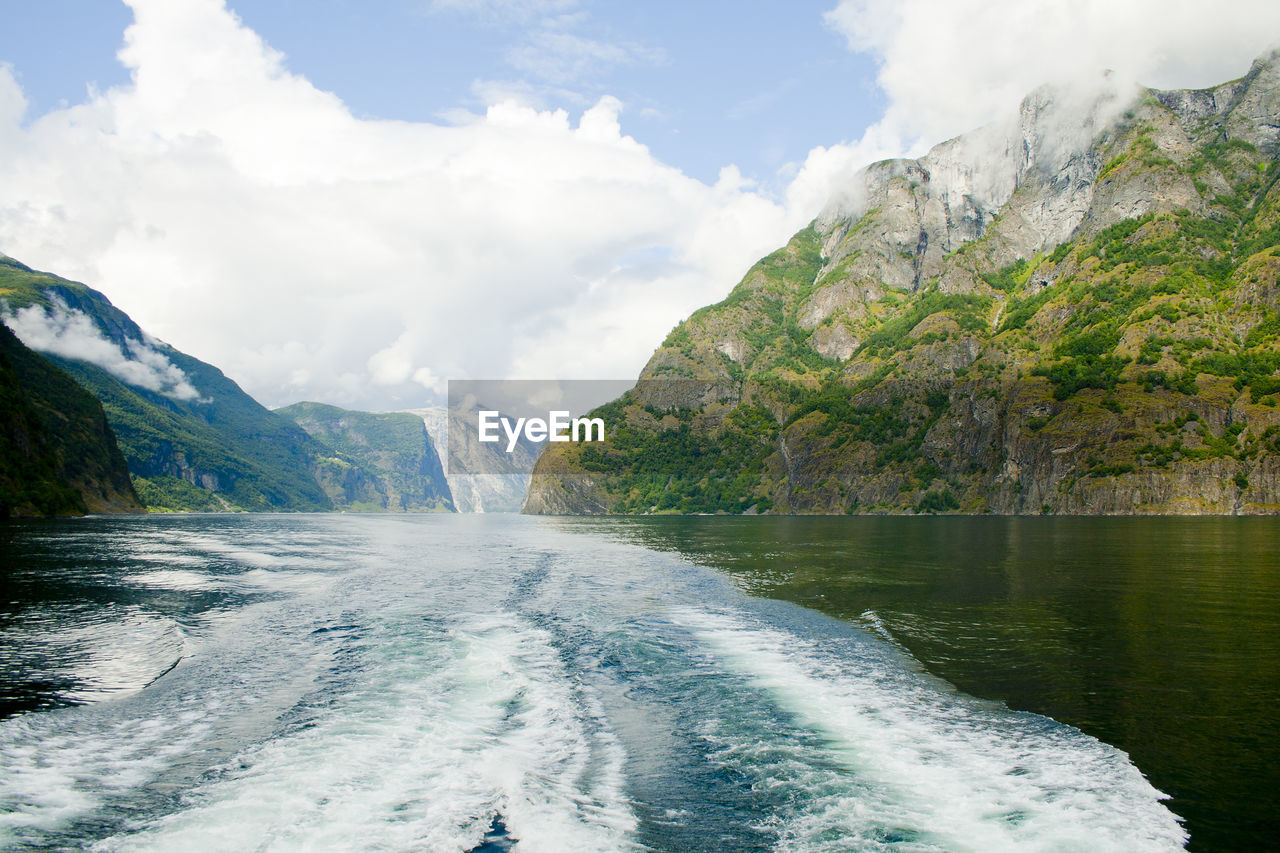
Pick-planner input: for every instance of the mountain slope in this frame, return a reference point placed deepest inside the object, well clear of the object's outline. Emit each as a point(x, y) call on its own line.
point(383, 462)
point(482, 477)
point(1074, 312)
point(57, 454)
point(192, 438)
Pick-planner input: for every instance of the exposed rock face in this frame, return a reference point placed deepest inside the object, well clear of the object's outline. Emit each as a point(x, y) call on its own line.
point(1073, 311)
point(502, 486)
point(381, 462)
point(566, 491)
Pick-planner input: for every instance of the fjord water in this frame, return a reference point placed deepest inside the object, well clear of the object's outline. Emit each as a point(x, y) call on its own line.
point(493, 683)
point(1157, 635)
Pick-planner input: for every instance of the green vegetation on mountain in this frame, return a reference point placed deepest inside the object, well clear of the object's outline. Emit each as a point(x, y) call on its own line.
point(57, 454)
point(219, 450)
point(381, 462)
point(1102, 338)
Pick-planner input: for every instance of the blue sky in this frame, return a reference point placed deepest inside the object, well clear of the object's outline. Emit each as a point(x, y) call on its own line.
point(703, 84)
point(351, 202)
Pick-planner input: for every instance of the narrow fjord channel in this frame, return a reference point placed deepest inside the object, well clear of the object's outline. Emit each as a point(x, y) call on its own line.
point(509, 683)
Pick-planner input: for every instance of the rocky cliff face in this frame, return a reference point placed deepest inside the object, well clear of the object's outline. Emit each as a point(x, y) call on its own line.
point(381, 461)
point(504, 480)
point(1074, 311)
point(57, 454)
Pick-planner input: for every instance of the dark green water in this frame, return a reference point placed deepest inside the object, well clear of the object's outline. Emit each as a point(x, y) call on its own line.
point(1160, 636)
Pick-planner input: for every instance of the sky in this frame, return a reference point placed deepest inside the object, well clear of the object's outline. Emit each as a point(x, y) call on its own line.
point(352, 202)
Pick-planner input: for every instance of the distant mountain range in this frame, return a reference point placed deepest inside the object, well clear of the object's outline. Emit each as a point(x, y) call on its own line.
point(382, 462)
point(1072, 311)
point(191, 438)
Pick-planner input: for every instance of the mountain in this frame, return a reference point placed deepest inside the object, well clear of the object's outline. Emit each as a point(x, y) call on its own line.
point(1073, 311)
point(383, 462)
point(193, 440)
point(482, 477)
point(57, 454)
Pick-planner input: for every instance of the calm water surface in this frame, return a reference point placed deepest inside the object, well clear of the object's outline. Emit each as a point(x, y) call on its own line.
point(506, 683)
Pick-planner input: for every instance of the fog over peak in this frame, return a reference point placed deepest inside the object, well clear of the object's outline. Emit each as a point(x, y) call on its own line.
point(235, 209)
point(949, 67)
point(70, 333)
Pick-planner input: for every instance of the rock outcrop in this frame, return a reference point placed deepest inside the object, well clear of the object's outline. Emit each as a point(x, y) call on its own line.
point(1074, 311)
point(381, 461)
point(482, 477)
point(58, 456)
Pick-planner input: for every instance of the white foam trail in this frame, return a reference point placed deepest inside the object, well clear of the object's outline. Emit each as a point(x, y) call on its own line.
point(875, 623)
point(49, 777)
point(174, 579)
point(439, 737)
point(239, 554)
point(269, 553)
point(927, 769)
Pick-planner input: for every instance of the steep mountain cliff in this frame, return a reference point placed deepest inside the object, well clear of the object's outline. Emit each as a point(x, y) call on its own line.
point(382, 462)
point(193, 440)
point(57, 454)
point(1071, 312)
point(482, 477)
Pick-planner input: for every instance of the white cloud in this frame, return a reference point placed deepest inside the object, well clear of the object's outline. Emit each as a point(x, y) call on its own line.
point(72, 334)
point(424, 377)
point(948, 66)
point(235, 210)
point(392, 365)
